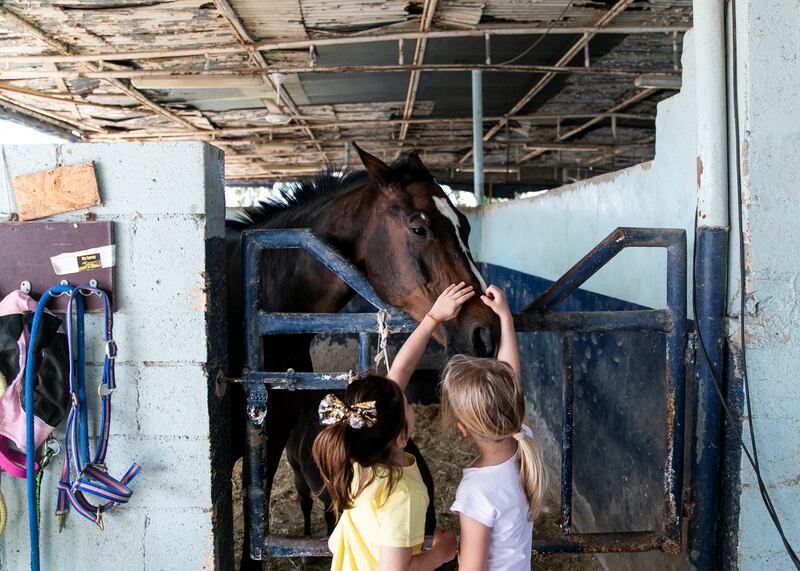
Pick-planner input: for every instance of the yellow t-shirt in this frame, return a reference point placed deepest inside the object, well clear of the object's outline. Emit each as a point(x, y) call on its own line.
point(376, 521)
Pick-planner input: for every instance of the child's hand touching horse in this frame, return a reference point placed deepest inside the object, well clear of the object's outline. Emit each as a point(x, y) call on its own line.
point(508, 351)
point(446, 308)
point(450, 301)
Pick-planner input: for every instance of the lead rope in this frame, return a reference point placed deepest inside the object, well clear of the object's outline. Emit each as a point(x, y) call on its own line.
point(30, 445)
point(383, 339)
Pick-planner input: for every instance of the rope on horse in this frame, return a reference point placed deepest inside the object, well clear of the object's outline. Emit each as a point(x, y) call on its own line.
point(383, 338)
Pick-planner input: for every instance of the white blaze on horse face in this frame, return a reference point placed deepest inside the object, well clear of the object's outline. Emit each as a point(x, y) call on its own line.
point(443, 206)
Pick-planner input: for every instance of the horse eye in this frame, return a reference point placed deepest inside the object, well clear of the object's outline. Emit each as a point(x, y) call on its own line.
point(420, 231)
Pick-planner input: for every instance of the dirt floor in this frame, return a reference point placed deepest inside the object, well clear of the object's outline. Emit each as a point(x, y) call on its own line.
point(446, 454)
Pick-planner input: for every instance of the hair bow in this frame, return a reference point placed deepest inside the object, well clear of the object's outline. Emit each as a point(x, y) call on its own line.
point(332, 410)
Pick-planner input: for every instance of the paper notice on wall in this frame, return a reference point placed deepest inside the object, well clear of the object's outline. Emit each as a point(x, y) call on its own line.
point(91, 259)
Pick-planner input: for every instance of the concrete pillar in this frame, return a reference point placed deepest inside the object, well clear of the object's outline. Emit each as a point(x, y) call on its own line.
point(477, 133)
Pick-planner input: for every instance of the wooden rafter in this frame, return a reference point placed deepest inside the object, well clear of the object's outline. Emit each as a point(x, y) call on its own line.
point(618, 150)
point(49, 39)
point(61, 98)
point(233, 72)
point(244, 38)
point(428, 10)
point(42, 116)
point(627, 102)
point(304, 43)
point(357, 123)
point(574, 50)
point(221, 62)
point(62, 87)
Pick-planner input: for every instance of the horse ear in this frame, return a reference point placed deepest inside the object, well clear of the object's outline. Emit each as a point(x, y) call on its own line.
point(416, 163)
point(380, 173)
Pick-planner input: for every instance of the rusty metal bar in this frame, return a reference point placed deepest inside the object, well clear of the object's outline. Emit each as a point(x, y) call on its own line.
point(675, 385)
point(257, 507)
point(272, 323)
point(299, 380)
point(326, 255)
point(363, 352)
point(595, 321)
point(568, 402)
point(600, 255)
point(538, 316)
point(618, 542)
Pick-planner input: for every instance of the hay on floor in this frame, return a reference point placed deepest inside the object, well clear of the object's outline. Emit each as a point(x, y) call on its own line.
point(446, 453)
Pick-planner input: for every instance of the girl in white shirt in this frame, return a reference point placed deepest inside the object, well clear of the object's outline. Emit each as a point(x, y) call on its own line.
point(501, 492)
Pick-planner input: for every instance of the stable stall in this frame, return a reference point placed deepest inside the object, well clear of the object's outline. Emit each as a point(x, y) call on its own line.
point(622, 170)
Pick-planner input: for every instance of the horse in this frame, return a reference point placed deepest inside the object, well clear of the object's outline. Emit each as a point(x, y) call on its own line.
point(398, 227)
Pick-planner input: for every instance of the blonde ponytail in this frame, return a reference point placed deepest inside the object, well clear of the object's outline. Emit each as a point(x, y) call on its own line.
point(485, 396)
point(532, 474)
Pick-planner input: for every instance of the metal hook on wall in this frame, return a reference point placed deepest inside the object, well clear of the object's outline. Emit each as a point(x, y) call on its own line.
point(92, 283)
point(63, 283)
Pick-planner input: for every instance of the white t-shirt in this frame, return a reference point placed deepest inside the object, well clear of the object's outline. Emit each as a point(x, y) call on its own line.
point(493, 496)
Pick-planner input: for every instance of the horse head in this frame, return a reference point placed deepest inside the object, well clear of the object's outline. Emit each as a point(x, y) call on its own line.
point(416, 244)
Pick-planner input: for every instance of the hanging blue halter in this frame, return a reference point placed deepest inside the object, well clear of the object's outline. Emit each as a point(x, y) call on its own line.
point(30, 446)
point(91, 477)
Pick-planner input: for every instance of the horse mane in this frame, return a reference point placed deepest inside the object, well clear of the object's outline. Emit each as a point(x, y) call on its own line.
point(310, 190)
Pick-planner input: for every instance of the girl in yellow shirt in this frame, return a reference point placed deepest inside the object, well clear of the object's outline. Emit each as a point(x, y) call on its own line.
point(375, 487)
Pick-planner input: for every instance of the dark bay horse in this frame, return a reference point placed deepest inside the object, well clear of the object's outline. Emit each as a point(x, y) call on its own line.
point(399, 228)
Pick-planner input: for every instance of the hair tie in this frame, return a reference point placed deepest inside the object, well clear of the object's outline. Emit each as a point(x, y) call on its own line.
point(332, 411)
point(524, 431)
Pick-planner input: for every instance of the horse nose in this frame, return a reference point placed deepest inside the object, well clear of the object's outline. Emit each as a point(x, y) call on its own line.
point(482, 343)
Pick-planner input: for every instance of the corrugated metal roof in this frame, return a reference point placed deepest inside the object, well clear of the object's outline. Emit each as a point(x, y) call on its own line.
point(459, 13)
point(579, 14)
point(340, 15)
point(273, 19)
point(342, 106)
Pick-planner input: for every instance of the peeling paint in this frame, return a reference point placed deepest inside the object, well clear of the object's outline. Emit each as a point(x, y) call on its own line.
point(699, 172)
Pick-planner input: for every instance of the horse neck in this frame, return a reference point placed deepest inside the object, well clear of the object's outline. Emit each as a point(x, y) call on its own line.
point(341, 222)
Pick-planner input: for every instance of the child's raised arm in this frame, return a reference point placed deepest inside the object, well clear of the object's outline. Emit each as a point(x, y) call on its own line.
point(508, 351)
point(446, 308)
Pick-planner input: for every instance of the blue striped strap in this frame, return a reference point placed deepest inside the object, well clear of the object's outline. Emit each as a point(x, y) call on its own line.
point(98, 483)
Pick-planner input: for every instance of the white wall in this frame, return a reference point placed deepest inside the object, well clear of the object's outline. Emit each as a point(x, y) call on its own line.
point(166, 201)
point(769, 100)
point(545, 235)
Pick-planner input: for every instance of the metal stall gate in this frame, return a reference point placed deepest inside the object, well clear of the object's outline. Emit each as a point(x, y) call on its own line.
point(538, 316)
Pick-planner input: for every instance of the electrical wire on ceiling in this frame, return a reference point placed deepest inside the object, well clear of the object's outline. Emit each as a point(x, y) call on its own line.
point(540, 38)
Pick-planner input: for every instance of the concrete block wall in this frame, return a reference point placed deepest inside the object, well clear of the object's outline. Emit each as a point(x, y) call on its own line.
point(166, 201)
point(769, 98)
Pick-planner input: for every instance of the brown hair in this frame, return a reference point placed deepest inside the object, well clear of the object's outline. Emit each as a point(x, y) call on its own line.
point(486, 397)
point(339, 445)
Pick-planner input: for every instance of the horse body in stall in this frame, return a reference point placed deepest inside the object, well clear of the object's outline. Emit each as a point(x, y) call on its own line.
point(399, 228)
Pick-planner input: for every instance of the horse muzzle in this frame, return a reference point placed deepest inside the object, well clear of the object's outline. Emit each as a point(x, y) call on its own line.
point(475, 332)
